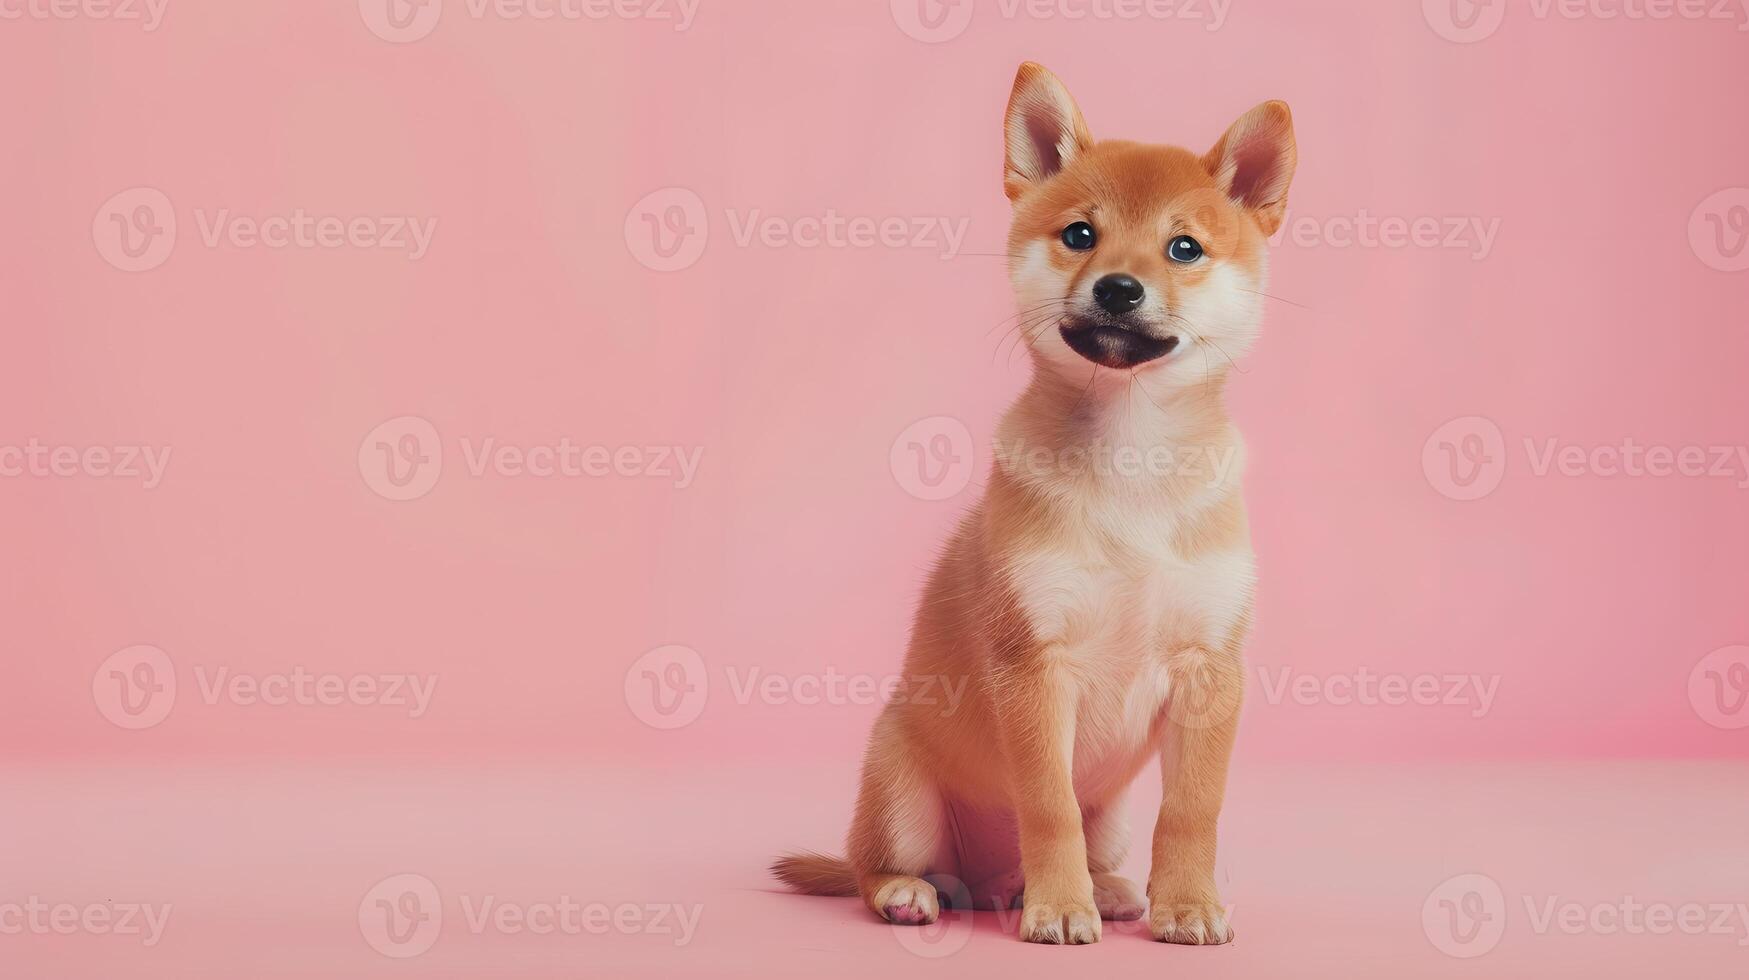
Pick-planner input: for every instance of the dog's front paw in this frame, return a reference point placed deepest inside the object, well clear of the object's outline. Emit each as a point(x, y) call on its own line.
point(1188, 916)
point(1059, 922)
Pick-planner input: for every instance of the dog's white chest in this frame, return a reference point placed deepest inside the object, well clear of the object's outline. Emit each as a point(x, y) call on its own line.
point(1117, 619)
point(1143, 600)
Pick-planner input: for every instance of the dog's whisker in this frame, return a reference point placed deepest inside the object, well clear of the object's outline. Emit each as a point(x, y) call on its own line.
point(1024, 313)
point(1278, 299)
point(1030, 331)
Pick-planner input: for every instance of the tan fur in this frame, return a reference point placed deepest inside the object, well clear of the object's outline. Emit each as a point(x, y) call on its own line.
point(1095, 619)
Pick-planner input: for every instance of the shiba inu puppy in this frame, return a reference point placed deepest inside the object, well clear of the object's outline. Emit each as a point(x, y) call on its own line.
point(1093, 612)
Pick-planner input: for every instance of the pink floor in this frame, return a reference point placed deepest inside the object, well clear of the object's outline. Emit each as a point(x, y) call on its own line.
point(271, 872)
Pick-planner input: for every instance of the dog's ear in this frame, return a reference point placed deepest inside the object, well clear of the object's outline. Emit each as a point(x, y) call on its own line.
point(1254, 163)
point(1045, 130)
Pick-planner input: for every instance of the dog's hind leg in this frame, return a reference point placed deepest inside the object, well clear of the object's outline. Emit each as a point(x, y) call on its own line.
point(1108, 840)
point(896, 837)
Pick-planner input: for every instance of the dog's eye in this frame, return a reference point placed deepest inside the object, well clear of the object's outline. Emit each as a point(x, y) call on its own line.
point(1079, 236)
point(1184, 249)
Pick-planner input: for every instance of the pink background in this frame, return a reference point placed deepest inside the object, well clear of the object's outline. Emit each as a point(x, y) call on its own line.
point(1589, 144)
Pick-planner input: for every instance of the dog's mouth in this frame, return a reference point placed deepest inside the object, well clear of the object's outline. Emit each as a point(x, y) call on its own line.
point(1111, 344)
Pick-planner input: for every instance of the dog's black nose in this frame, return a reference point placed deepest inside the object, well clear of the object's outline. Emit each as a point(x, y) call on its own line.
point(1118, 293)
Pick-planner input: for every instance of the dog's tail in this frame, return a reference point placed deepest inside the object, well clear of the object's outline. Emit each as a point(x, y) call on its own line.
point(812, 873)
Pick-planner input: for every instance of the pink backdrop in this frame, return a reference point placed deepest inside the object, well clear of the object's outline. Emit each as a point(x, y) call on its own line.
point(763, 238)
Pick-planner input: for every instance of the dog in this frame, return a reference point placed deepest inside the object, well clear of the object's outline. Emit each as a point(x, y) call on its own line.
point(1093, 612)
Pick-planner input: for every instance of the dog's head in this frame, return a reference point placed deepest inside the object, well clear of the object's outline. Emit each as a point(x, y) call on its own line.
point(1138, 257)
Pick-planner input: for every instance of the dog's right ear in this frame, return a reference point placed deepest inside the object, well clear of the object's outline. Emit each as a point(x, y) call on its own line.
point(1045, 130)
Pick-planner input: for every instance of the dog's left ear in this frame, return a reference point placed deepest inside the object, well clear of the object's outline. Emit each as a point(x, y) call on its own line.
point(1044, 130)
point(1254, 163)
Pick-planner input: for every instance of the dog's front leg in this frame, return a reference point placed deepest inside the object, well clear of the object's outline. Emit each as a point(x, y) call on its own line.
point(1206, 690)
point(1037, 718)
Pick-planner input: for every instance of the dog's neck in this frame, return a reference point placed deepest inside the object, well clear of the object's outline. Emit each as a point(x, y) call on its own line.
point(1116, 436)
point(1119, 409)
